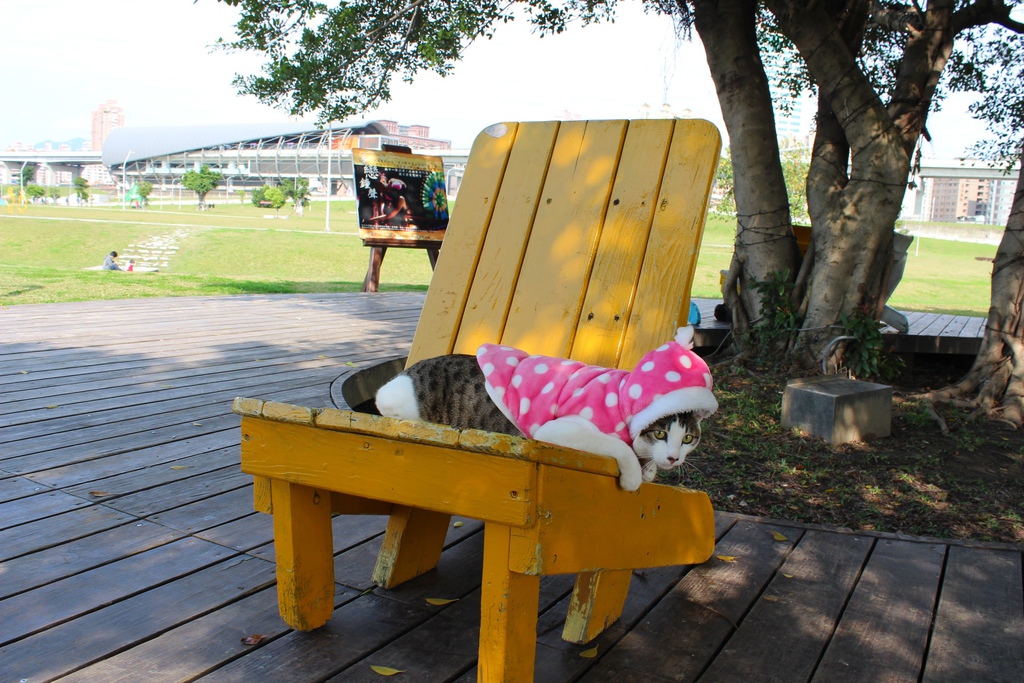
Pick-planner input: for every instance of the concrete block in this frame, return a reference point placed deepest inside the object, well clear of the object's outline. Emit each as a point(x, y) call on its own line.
point(836, 409)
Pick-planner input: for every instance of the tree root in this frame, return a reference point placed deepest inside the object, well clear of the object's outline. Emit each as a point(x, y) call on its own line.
point(943, 427)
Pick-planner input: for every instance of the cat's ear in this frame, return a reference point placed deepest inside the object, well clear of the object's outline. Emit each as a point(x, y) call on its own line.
point(684, 336)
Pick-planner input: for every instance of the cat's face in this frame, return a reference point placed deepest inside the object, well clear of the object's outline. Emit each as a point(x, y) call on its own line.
point(665, 444)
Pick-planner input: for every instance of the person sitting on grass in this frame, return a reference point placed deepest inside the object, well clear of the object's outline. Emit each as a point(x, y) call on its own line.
point(109, 263)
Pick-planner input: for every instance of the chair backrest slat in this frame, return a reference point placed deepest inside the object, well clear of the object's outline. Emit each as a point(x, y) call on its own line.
point(577, 239)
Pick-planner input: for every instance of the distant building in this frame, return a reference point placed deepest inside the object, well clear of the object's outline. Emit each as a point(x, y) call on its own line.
point(252, 155)
point(107, 118)
point(948, 200)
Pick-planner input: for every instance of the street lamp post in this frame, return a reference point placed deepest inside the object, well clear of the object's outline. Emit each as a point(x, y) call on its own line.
point(330, 145)
point(124, 181)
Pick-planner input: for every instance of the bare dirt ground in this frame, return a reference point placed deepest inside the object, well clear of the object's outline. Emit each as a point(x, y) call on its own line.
point(967, 485)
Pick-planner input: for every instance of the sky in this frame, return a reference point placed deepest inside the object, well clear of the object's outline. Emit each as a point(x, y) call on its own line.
point(72, 56)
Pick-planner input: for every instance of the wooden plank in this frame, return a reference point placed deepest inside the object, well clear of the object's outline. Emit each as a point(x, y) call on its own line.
point(447, 644)
point(652, 527)
point(562, 243)
point(209, 641)
point(676, 232)
point(490, 294)
point(508, 613)
point(182, 492)
point(936, 325)
point(22, 510)
point(67, 646)
point(143, 468)
point(785, 631)
point(359, 627)
point(610, 292)
point(457, 263)
point(48, 532)
point(475, 486)
point(974, 328)
point(29, 612)
point(12, 488)
point(305, 562)
point(208, 512)
point(979, 624)
point(711, 600)
point(884, 629)
point(52, 564)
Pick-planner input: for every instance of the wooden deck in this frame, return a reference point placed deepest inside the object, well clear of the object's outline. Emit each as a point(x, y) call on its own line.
point(929, 332)
point(129, 550)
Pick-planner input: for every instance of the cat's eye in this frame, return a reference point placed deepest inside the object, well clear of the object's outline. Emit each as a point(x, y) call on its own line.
point(659, 434)
point(688, 438)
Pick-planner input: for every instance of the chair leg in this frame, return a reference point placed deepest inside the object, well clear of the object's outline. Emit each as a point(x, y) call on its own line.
point(597, 601)
point(305, 554)
point(412, 545)
point(508, 615)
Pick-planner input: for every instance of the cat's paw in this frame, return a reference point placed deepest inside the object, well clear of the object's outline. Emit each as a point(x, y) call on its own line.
point(630, 477)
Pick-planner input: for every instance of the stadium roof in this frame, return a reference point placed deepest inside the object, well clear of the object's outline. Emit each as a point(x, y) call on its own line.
point(131, 144)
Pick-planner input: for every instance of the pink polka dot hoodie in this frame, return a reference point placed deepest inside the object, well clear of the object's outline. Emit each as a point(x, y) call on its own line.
point(532, 390)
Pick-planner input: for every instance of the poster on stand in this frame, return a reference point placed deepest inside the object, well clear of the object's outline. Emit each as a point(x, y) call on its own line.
point(400, 198)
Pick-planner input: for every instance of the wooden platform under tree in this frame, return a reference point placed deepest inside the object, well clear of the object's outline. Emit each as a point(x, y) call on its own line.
point(129, 550)
point(929, 332)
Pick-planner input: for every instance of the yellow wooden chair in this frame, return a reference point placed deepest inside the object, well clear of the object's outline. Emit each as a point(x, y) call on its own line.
point(575, 239)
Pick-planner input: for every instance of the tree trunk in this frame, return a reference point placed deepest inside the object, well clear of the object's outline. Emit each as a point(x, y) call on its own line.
point(995, 384)
point(860, 161)
point(764, 236)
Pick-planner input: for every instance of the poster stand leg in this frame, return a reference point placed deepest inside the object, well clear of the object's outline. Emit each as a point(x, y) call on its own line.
point(372, 280)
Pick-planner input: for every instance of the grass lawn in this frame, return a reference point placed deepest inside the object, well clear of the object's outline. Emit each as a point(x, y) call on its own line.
point(231, 250)
point(238, 249)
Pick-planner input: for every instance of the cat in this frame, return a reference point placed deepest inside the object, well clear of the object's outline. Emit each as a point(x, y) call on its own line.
point(647, 419)
point(446, 390)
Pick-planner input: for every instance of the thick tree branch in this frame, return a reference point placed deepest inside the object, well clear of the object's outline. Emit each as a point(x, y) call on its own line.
point(900, 18)
point(984, 12)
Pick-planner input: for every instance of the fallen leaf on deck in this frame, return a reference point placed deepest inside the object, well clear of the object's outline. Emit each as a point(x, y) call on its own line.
point(788, 576)
point(253, 639)
point(321, 356)
point(23, 372)
point(458, 524)
point(166, 386)
point(98, 494)
point(726, 558)
point(770, 598)
point(441, 601)
point(179, 467)
point(778, 537)
point(386, 670)
point(52, 406)
point(589, 654)
point(351, 364)
point(197, 424)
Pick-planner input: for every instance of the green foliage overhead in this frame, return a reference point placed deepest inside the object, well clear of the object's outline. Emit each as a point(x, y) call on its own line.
point(339, 58)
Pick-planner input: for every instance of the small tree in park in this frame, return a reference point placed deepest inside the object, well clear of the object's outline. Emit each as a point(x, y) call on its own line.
point(201, 182)
point(81, 189)
point(275, 197)
point(145, 189)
